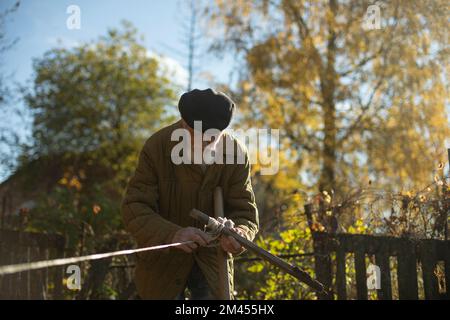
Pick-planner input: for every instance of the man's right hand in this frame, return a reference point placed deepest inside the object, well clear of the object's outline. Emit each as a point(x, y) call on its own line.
point(191, 234)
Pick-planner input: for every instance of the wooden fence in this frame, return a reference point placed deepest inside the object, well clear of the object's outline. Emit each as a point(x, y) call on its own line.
point(20, 247)
point(414, 260)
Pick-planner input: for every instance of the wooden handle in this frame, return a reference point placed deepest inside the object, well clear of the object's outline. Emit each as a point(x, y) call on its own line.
point(224, 287)
point(266, 255)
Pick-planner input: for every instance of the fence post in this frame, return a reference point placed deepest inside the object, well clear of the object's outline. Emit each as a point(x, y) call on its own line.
point(341, 278)
point(407, 270)
point(322, 260)
point(447, 217)
point(360, 268)
point(382, 261)
point(59, 271)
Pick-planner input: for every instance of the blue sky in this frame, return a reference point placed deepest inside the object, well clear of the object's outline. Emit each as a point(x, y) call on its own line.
point(40, 25)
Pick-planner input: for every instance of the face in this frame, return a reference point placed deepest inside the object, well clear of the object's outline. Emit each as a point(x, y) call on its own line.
point(204, 143)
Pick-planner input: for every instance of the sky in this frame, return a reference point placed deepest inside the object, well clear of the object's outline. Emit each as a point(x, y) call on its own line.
point(40, 25)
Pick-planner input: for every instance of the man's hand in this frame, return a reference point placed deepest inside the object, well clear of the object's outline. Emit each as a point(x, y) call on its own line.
point(191, 234)
point(229, 244)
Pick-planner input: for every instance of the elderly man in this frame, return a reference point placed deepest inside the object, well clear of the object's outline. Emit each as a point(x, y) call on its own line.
point(163, 190)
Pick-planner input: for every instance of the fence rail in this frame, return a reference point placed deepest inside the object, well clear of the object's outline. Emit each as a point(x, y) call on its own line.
point(411, 255)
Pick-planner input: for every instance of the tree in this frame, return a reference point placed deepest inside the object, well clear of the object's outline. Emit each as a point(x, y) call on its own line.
point(190, 37)
point(8, 136)
point(96, 103)
point(354, 104)
point(363, 113)
point(93, 106)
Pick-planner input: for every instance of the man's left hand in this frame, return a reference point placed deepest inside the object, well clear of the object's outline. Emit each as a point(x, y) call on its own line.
point(229, 244)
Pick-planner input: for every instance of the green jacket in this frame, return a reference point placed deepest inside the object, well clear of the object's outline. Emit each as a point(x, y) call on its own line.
point(157, 203)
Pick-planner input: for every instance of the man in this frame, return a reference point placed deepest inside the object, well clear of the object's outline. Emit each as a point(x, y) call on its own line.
point(163, 191)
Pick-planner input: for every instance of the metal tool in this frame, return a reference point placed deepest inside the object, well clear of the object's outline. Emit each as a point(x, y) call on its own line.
point(295, 271)
point(224, 287)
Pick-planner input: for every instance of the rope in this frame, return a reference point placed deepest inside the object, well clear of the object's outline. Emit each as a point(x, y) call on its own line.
point(15, 268)
point(213, 229)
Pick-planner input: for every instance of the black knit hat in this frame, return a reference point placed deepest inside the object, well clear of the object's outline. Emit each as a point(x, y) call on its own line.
point(214, 109)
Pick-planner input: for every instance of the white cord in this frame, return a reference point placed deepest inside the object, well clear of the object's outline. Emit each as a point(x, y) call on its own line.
point(14, 268)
